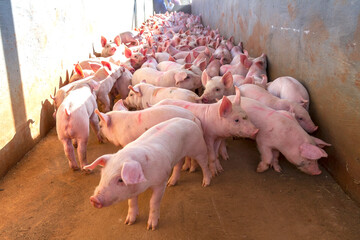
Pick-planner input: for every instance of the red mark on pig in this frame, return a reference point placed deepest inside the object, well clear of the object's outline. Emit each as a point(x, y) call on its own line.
point(139, 118)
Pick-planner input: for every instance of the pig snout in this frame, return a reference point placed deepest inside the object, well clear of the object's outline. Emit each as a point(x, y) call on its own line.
point(96, 202)
point(310, 167)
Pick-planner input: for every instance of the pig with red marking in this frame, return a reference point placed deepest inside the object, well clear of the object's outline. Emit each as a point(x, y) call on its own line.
point(147, 163)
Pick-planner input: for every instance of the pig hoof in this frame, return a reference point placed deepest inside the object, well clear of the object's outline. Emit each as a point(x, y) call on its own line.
point(151, 226)
point(277, 168)
point(171, 182)
point(192, 169)
point(130, 220)
point(262, 167)
point(206, 182)
point(185, 167)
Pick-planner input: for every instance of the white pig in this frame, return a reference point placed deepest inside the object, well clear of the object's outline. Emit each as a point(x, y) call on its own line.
point(147, 163)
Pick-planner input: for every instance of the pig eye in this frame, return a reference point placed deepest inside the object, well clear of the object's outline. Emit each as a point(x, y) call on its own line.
point(237, 120)
point(120, 180)
point(217, 89)
point(131, 94)
point(300, 118)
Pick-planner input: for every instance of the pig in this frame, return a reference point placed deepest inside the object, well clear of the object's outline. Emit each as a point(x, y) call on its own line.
point(147, 163)
point(72, 121)
point(258, 67)
point(105, 87)
point(240, 68)
point(216, 87)
point(291, 89)
point(263, 96)
point(109, 48)
point(237, 50)
point(122, 127)
point(223, 53)
point(173, 78)
point(213, 69)
point(80, 73)
point(129, 38)
point(280, 133)
point(218, 120)
point(144, 95)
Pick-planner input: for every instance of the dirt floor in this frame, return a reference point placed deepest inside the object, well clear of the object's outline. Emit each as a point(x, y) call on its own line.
point(42, 198)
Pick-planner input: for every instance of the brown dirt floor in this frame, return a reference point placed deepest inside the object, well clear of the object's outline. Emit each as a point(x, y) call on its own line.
point(41, 198)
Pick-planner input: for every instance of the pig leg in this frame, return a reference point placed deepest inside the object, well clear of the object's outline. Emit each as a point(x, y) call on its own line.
point(223, 151)
point(81, 150)
point(70, 154)
point(154, 215)
point(266, 158)
point(217, 161)
point(175, 176)
point(187, 164)
point(210, 143)
point(202, 160)
point(275, 162)
point(133, 210)
point(94, 123)
point(193, 165)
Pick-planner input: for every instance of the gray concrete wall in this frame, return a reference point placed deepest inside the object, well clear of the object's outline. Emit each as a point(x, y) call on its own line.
point(40, 41)
point(318, 43)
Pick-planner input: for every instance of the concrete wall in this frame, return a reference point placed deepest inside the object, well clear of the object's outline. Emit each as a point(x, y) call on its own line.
point(40, 41)
point(318, 43)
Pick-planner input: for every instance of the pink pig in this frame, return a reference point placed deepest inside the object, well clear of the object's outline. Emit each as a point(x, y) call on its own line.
point(240, 68)
point(218, 120)
point(291, 89)
point(258, 93)
point(147, 163)
point(216, 87)
point(173, 78)
point(258, 67)
point(144, 95)
point(72, 121)
point(109, 48)
point(279, 132)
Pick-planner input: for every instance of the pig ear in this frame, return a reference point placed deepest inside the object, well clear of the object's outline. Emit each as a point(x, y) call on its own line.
point(179, 77)
point(204, 78)
point(95, 67)
point(264, 80)
point(101, 161)
point(78, 70)
point(202, 65)
point(136, 90)
point(225, 107)
point(237, 100)
point(103, 41)
point(172, 59)
point(103, 117)
point(195, 54)
point(311, 152)
point(207, 51)
point(106, 64)
point(119, 106)
point(128, 52)
point(132, 173)
point(320, 143)
point(188, 58)
point(227, 79)
point(117, 40)
point(187, 65)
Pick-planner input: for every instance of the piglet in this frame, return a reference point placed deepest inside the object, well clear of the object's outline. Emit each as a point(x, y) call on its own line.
point(258, 93)
point(291, 89)
point(258, 67)
point(147, 163)
point(72, 121)
point(144, 95)
point(280, 133)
